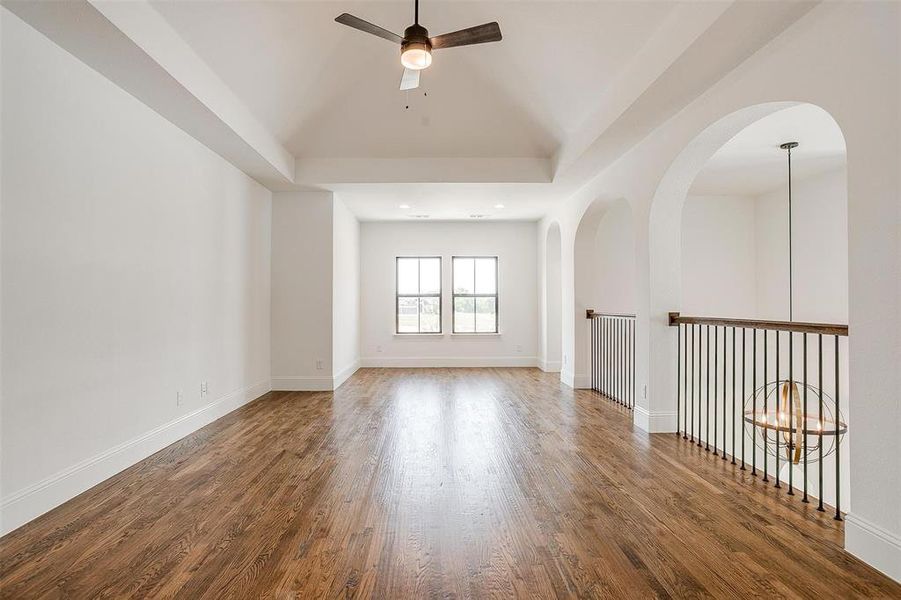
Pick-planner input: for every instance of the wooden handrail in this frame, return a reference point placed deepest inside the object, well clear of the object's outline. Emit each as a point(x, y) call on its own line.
point(590, 314)
point(823, 328)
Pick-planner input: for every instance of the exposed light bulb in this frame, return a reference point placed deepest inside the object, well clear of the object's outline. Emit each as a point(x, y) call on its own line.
point(404, 206)
point(498, 206)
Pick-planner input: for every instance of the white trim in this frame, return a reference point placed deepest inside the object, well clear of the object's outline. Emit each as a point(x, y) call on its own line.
point(415, 336)
point(302, 383)
point(489, 334)
point(582, 382)
point(26, 504)
point(567, 378)
point(876, 546)
point(344, 374)
point(654, 422)
point(550, 366)
point(450, 361)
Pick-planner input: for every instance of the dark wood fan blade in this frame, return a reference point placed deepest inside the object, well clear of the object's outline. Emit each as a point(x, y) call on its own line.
point(358, 23)
point(410, 79)
point(480, 34)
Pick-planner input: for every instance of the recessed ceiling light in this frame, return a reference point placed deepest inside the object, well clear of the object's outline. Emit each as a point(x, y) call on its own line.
point(404, 206)
point(477, 216)
point(498, 206)
point(418, 216)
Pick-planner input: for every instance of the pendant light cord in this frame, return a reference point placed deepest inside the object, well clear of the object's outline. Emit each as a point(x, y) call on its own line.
point(790, 274)
point(788, 146)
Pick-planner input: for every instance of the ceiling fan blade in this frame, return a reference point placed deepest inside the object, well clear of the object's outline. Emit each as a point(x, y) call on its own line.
point(358, 23)
point(410, 79)
point(480, 34)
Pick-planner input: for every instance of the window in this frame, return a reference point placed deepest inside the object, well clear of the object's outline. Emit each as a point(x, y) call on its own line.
point(418, 305)
point(475, 294)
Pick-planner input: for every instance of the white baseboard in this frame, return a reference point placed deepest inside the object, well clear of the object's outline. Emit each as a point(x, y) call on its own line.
point(302, 383)
point(655, 422)
point(567, 378)
point(26, 504)
point(550, 366)
point(344, 374)
point(450, 361)
point(582, 382)
point(878, 547)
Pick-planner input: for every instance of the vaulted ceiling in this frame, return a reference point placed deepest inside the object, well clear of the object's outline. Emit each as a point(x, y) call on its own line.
point(298, 101)
point(326, 90)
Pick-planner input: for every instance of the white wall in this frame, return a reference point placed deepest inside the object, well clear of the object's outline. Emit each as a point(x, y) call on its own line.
point(315, 291)
point(820, 250)
point(302, 280)
point(135, 265)
point(345, 293)
point(719, 266)
point(514, 243)
point(552, 300)
point(614, 261)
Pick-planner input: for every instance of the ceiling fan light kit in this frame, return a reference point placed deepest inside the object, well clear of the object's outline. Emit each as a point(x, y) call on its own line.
point(416, 46)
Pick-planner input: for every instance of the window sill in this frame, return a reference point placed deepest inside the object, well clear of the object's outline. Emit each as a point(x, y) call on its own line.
point(417, 335)
point(475, 335)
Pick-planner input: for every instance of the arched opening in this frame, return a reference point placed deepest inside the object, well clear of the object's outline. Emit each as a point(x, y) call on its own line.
point(604, 262)
point(553, 302)
point(726, 244)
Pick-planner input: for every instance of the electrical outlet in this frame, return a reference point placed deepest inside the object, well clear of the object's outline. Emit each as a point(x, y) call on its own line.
point(644, 391)
point(319, 365)
point(518, 348)
point(179, 398)
point(203, 389)
point(378, 348)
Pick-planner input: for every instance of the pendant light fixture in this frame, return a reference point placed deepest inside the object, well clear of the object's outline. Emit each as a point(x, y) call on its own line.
point(785, 418)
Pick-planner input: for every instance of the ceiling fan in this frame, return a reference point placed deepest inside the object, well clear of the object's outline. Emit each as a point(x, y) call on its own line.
point(416, 46)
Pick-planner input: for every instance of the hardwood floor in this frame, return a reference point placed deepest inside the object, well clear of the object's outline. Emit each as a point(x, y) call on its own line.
point(466, 483)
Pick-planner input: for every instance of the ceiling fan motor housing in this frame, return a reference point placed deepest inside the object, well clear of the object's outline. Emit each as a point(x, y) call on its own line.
point(416, 37)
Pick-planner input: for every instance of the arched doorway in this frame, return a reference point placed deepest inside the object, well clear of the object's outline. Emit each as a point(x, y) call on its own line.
point(604, 266)
point(721, 255)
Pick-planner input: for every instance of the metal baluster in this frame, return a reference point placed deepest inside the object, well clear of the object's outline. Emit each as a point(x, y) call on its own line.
point(716, 351)
point(838, 461)
point(693, 327)
point(754, 408)
point(678, 373)
point(707, 410)
point(791, 402)
point(591, 324)
point(619, 355)
point(634, 326)
point(700, 380)
point(685, 386)
point(597, 363)
point(610, 393)
point(733, 395)
point(723, 453)
point(804, 417)
point(765, 410)
point(778, 412)
point(821, 424)
point(603, 333)
point(743, 392)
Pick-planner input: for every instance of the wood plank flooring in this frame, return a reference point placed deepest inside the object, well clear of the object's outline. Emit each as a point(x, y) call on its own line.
point(450, 483)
